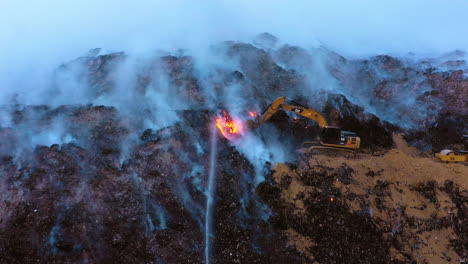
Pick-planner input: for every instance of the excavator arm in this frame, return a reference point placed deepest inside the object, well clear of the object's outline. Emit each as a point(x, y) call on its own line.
point(331, 137)
point(283, 104)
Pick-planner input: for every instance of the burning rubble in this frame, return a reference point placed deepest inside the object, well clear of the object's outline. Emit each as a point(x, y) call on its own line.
point(230, 128)
point(128, 180)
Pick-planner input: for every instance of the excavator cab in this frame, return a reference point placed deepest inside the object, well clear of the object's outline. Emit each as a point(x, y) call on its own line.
point(332, 136)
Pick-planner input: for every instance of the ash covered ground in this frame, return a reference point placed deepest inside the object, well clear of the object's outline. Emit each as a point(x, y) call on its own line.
point(121, 164)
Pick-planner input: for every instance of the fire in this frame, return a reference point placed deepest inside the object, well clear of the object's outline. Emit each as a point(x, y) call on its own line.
point(231, 129)
point(253, 113)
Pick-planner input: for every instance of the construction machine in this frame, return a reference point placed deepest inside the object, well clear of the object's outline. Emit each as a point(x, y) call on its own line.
point(331, 137)
point(453, 156)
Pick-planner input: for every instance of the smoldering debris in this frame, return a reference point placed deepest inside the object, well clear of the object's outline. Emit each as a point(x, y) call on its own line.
point(119, 169)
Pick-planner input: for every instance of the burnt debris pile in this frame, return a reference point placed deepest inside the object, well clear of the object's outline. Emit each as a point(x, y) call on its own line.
point(118, 169)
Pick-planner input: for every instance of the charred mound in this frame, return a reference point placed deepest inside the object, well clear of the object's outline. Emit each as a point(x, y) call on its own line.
point(118, 172)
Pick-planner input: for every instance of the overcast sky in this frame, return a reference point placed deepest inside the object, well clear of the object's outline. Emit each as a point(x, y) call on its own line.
point(41, 33)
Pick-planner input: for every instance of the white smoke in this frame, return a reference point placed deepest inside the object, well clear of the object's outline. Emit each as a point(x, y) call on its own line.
point(37, 37)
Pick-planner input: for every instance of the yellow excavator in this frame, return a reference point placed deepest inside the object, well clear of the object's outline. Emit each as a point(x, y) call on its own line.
point(449, 155)
point(331, 137)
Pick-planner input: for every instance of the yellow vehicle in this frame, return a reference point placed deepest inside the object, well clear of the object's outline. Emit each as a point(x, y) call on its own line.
point(452, 156)
point(330, 136)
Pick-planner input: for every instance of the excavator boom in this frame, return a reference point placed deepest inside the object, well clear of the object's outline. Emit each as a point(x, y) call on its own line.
point(281, 103)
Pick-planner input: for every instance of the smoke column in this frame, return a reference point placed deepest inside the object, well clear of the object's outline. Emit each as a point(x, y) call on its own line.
point(210, 194)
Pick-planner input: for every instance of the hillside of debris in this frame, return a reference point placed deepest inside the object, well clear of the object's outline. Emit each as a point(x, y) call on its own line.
point(115, 164)
point(392, 208)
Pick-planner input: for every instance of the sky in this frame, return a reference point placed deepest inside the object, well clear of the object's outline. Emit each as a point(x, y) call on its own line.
point(38, 35)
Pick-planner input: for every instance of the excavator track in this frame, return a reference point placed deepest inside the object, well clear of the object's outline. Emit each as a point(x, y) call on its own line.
point(316, 145)
point(314, 148)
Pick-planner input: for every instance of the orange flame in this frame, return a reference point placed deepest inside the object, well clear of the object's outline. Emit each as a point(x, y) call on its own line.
point(230, 128)
point(252, 113)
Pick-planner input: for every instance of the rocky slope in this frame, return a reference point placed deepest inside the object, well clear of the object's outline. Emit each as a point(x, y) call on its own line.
point(114, 167)
point(393, 208)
